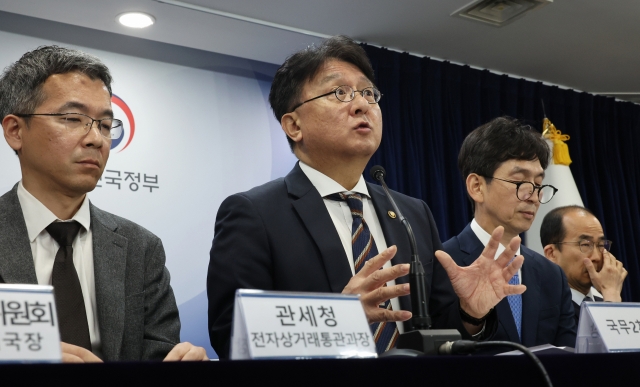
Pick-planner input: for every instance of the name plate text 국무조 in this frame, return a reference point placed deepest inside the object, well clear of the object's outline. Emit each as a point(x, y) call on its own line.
point(28, 324)
point(609, 327)
point(291, 325)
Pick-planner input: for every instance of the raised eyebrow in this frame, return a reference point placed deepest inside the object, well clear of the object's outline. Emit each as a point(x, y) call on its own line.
point(330, 77)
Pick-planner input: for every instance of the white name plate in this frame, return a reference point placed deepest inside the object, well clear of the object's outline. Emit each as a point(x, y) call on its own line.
point(28, 324)
point(609, 327)
point(289, 325)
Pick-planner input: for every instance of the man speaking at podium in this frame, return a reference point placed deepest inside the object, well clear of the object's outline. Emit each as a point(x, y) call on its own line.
point(323, 229)
point(111, 287)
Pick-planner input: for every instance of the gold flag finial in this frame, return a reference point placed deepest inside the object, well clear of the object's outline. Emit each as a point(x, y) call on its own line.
point(560, 149)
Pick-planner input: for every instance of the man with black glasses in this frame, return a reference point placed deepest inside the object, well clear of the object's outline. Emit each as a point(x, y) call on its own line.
point(111, 286)
point(574, 239)
point(323, 229)
point(503, 164)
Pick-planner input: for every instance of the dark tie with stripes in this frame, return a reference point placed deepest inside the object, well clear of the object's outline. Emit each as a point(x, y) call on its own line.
point(364, 248)
point(72, 315)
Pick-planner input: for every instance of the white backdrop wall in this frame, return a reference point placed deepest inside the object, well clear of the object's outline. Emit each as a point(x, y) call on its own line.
point(198, 136)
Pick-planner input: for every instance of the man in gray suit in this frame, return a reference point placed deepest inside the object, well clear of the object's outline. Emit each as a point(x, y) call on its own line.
point(115, 275)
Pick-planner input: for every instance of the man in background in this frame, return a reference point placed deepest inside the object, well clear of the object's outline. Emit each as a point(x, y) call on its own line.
point(111, 286)
point(503, 164)
point(574, 239)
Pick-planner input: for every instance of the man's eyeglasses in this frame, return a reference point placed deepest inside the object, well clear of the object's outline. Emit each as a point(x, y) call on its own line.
point(525, 189)
point(586, 246)
point(109, 128)
point(347, 93)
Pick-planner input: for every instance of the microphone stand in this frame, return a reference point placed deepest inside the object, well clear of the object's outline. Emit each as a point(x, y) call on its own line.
point(422, 338)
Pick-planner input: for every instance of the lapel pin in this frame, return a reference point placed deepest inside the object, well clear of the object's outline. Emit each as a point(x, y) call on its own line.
point(391, 214)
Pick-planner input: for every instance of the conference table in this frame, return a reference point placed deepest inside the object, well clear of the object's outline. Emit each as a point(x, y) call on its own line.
point(563, 369)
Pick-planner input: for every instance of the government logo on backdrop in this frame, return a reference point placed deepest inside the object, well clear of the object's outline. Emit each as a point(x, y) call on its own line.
point(122, 112)
point(132, 180)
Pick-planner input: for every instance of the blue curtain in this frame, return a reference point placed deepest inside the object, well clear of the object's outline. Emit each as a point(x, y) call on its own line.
point(429, 107)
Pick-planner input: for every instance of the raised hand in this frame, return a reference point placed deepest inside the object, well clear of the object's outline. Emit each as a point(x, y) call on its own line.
point(609, 279)
point(369, 283)
point(484, 283)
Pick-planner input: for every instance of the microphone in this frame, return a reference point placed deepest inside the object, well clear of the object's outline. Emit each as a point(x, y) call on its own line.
point(421, 318)
point(422, 338)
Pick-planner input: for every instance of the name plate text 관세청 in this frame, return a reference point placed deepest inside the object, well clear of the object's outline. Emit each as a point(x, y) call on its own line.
point(28, 324)
point(608, 327)
point(292, 325)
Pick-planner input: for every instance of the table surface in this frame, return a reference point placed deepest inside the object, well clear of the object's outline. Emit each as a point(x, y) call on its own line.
point(564, 370)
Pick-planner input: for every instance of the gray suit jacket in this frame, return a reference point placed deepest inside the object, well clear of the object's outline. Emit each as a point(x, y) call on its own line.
point(137, 312)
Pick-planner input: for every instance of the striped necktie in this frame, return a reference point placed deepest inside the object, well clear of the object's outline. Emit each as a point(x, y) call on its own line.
point(515, 302)
point(364, 248)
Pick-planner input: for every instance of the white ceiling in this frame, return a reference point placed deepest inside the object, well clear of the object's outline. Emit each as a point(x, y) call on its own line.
point(588, 45)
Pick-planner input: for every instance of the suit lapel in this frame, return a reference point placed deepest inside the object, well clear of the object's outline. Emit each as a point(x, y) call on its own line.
point(109, 257)
point(394, 234)
point(531, 298)
point(470, 245)
point(16, 259)
point(576, 312)
point(309, 205)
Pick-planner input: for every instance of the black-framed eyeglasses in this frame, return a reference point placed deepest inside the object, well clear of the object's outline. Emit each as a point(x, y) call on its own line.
point(347, 94)
point(109, 128)
point(586, 246)
point(525, 189)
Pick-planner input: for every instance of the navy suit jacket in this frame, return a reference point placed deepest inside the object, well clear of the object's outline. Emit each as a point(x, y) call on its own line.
point(279, 236)
point(576, 308)
point(547, 315)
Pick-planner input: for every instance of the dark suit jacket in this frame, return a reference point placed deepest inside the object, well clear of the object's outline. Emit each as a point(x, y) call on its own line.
point(279, 236)
point(576, 309)
point(547, 315)
point(137, 313)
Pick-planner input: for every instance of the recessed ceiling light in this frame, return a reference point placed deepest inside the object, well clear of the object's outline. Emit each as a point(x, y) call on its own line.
point(136, 19)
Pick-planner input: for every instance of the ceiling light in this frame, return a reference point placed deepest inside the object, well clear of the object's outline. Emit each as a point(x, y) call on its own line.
point(498, 12)
point(136, 19)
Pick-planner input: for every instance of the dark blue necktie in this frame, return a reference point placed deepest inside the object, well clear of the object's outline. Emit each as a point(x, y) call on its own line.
point(364, 248)
point(515, 302)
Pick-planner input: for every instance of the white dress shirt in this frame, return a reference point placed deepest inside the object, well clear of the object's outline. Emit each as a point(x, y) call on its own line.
point(578, 297)
point(340, 214)
point(44, 249)
point(485, 237)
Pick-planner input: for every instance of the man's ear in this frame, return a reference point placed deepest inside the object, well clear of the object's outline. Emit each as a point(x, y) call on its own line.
point(289, 123)
point(551, 253)
point(475, 184)
point(12, 127)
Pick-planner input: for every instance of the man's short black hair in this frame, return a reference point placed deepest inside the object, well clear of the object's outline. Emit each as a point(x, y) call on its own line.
point(21, 82)
point(302, 66)
point(552, 230)
point(500, 140)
